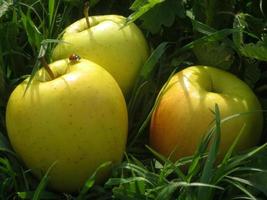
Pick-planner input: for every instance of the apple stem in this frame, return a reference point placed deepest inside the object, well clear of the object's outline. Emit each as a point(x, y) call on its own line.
point(47, 68)
point(85, 12)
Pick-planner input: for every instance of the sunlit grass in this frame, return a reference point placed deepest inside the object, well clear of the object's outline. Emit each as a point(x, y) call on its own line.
point(197, 177)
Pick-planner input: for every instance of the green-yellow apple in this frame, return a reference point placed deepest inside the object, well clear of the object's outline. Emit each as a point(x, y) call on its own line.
point(120, 49)
point(78, 120)
point(184, 112)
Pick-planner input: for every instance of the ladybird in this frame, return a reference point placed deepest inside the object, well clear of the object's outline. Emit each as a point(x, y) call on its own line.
point(74, 57)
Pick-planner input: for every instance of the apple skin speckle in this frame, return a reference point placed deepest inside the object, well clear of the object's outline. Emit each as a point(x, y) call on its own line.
point(68, 120)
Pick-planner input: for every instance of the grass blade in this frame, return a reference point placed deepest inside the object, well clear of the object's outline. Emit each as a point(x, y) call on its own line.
point(146, 71)
point(168, 190)
point(145, 123)
point(241, 188)
point(216, 36)
point(119, 181)
point(208, 171)
point(237, 160)
point(91, 181)
point(145, 74)
point(51, 9)
point(240, 180)
point(44, 195)
point(141, 9)
point(40, 189)
point(168, 164)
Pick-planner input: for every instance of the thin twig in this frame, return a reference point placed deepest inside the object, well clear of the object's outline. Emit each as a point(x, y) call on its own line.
point(86, 13)
point(47, 68)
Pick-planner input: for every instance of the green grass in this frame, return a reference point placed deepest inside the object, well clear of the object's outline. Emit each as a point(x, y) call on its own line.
point(226, 34)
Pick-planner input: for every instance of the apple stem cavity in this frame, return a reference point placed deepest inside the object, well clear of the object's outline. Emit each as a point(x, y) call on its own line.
point(47, 68)
point(85, 12)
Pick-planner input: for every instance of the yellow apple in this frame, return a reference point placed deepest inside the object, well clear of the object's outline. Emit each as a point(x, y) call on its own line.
point(78, 121)
point(184, 112)
point(120, 49)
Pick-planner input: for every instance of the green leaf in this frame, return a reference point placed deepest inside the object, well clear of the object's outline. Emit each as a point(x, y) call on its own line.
point(255, 50)
point(252, 72)
point(214, 54)
point(157, 13)
point(258, 50)
point(213, 12)
point(163, 14)
point(241, 24)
